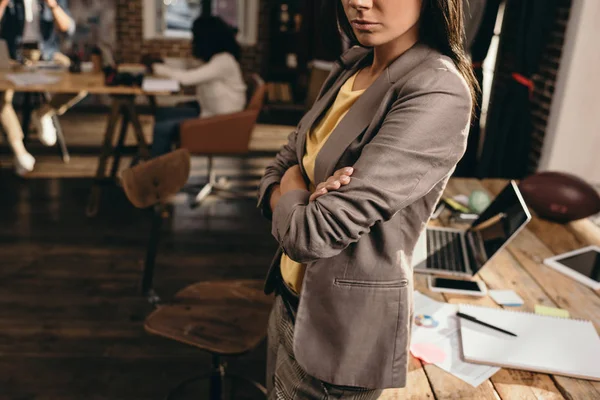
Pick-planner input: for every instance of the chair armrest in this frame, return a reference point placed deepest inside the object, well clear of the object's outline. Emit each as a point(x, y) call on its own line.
point(222, 134)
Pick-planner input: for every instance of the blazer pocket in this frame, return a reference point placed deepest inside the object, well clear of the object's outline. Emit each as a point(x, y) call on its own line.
point(398, 283)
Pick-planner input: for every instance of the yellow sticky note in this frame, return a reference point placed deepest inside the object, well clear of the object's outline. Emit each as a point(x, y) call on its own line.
point(551, 311)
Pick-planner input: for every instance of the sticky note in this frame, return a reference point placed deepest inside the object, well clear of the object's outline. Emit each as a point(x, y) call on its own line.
point(551, 311)
point(429, 353)
point(506, 298)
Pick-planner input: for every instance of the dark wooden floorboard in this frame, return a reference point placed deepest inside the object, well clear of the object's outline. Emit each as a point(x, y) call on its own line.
point(71, 316)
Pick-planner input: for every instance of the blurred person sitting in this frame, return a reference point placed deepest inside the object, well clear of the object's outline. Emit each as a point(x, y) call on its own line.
point(220, 86)
point(39, 23)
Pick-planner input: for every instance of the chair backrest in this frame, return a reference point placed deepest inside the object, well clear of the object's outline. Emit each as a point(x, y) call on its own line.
point(255, 92)
point(156, 180)
point(226, 134)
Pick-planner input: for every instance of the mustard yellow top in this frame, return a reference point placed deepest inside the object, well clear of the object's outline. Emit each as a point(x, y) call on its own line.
point(291, 271)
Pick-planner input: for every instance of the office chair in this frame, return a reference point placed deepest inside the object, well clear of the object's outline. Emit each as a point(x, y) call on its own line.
point(223, 135)
point(223, 318)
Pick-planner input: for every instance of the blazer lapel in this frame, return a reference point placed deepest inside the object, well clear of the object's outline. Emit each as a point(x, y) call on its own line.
point(344, 68)
point(363, 112)
point(317, 110)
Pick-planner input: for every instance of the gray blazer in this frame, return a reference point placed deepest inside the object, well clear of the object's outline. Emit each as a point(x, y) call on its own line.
point(404, 137)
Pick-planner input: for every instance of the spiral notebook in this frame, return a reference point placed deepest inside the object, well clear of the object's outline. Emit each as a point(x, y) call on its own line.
point(550, 345)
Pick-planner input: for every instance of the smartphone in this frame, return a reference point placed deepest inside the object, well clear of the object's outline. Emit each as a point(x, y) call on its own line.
point(457, 286)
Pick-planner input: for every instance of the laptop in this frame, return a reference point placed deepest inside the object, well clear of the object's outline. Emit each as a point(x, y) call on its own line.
point(462, 253)
point(4, 55)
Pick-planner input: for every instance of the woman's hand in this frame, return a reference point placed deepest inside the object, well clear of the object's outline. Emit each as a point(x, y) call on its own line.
point(292, 180)
point(340, 178)
point(51, 3)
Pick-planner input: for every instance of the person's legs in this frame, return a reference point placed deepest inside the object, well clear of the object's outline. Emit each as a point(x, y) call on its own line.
point(58, 105)
point(24, 162)
point(285, 377)
point(166, 127)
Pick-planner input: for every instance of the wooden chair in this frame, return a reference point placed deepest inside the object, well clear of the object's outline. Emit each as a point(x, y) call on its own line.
point(224, 318)
point(223, 135)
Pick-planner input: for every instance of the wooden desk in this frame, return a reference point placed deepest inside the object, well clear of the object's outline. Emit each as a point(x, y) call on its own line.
point(519, 268)
point(123, 107)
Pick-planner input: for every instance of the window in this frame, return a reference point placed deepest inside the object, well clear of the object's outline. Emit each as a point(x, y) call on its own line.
point(174, 18)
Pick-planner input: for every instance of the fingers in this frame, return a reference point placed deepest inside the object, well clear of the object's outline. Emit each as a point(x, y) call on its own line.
point(317, 193)
point(343, 171)
point(340, 178)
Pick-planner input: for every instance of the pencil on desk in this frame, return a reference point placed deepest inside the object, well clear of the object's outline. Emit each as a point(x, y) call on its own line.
point(489, 222)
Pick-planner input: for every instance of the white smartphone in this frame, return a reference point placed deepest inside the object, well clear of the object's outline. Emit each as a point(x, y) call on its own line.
point(457, 286)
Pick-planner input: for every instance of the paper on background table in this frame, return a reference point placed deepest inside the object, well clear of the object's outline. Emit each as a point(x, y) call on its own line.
point(32, 78)
point(151, 84)
point(445, 335)
point(506, 298)
point(551, 311)
point(558, 346)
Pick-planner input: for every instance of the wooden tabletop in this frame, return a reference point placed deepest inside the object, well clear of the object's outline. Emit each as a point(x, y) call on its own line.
point(92, 83)
point(520, 268)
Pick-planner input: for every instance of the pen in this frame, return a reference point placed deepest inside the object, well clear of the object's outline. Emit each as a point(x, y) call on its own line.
point(489, 222)
point(473, 319)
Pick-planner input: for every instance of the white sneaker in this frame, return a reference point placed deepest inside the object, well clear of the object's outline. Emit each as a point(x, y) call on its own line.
point(46, 130)
point(24, 164)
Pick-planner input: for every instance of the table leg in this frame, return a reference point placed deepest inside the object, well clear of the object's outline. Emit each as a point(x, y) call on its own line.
point(144, 152)
point(120, 145)
point(26, 117)
point(94, 200)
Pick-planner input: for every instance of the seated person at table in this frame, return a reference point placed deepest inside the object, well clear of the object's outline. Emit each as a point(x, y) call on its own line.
point(37, 22)
point(220, 86)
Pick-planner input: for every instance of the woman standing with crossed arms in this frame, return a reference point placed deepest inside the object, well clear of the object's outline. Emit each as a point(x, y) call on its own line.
point(351, 192)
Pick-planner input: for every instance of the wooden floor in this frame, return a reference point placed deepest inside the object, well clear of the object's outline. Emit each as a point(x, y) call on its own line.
point(71, 315)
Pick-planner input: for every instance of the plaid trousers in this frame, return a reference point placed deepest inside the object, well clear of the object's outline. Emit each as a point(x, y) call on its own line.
point(286, 380)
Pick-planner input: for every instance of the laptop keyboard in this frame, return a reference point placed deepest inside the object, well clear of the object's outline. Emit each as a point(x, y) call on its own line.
point(444, 251)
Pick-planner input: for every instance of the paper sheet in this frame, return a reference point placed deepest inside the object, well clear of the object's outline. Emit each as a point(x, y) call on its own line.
point(551, 311)
point(436, 323)
point(160, 85)
point(32, 78)
point(506, 298)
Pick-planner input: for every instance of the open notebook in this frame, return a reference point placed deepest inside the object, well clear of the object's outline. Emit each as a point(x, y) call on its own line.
point(552, 345)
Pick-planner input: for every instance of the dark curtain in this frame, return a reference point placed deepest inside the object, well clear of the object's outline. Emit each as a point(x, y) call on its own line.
point(319, 35)
point(508, 130)
point(479, 49)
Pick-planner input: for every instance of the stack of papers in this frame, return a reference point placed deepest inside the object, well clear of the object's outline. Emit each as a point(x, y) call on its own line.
point(436, 325)
point(32, 78)
point(160, 85)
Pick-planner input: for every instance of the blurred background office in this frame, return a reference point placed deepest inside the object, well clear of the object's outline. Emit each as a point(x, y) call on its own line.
point(72, 313)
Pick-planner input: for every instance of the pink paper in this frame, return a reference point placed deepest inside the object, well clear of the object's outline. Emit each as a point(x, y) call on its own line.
point(429, 353)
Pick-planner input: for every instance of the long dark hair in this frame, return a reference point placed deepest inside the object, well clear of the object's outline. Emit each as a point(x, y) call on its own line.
point(212, 35)
point(442, 28)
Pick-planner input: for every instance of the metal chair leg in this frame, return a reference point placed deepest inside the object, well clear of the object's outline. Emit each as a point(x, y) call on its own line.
point(257, 385)
point(217, 380)
point(60, 137)
point(208, 188)
point(150, 261)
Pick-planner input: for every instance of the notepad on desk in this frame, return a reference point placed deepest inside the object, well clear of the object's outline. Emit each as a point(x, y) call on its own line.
point(543, 344)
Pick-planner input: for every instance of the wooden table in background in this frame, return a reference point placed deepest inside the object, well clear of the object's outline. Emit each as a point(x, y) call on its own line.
point(122, 107)
point(519, 267)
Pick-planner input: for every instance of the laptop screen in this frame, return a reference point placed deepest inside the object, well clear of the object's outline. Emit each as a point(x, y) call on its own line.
point(496, 226)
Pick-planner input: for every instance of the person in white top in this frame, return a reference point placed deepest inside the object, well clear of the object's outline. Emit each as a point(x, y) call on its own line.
point(220, 86)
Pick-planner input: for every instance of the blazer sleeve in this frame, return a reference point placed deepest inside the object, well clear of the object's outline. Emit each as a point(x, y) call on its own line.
point(419, 143)
point(285, 159)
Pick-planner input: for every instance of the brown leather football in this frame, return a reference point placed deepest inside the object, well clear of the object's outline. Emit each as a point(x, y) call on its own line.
point(560, 197)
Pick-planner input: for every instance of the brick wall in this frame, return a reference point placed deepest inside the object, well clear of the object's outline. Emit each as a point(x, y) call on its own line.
point(544, 79)
point(131, 44)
